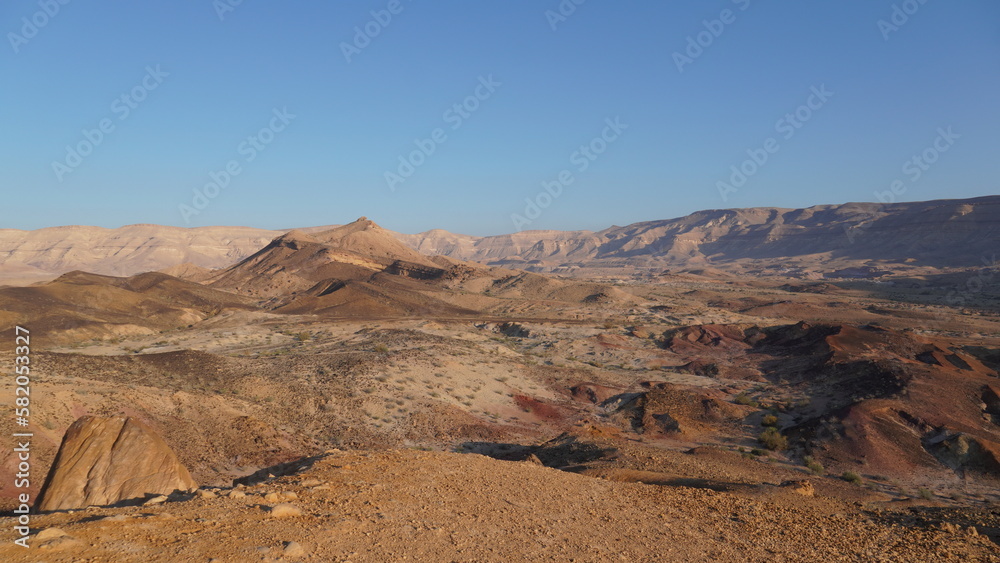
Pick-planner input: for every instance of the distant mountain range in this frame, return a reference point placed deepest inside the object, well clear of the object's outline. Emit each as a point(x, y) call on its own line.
point(943, 233)
point(861, 237)
point(358, 270)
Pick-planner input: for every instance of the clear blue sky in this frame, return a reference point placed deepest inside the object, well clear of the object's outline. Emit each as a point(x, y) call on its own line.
point(353, 120)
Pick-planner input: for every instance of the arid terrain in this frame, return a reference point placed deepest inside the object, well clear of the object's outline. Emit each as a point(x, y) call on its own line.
point(737, 385)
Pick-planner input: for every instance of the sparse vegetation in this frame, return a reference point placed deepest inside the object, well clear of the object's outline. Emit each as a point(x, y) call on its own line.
point(852, 477)
point(814, 467)
point(769, 420)
point(744, 399)
point(773, 440)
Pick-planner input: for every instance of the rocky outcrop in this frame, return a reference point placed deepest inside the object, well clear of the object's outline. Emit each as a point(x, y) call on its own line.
point(107, 460)
point(415, 271)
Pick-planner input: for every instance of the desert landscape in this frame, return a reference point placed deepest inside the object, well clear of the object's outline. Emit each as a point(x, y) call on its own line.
point(497, 282)
point(747, 384)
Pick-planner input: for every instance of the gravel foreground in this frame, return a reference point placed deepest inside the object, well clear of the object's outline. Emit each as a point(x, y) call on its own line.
point(409, 505)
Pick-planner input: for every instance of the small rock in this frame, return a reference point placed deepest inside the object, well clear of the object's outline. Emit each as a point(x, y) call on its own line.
point(49, 533)
point(294, 549)
point(311, 483)
point(949, 527)
point(640, 332)
point(115, 518)
point(236, 494)
point(60, 543)
point(804, 488)
point(972, 531)
point(160, 499)
point(289, 495)
point(205, 493)
point(55, 539)
point(285, 510)
point(272, 497)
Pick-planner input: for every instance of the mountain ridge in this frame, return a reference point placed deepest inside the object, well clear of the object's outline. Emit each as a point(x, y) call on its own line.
point(823, 238)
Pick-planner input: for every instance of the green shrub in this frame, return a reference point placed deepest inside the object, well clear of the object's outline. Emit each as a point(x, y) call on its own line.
point(744, 399)
point(381, 348)
point(852, 477)
point(773, 440)
point(769, 420)
point(925, 494)
point(815, 467)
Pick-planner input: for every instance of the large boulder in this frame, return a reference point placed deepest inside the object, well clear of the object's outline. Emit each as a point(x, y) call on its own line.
point(107, 460)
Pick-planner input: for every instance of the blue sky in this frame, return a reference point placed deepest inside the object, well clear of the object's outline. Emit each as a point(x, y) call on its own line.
point(217, 81)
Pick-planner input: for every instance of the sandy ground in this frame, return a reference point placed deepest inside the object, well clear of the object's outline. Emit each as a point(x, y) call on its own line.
point(408, 505)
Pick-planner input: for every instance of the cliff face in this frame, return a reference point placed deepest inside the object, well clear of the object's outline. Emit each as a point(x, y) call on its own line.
point(944, 233)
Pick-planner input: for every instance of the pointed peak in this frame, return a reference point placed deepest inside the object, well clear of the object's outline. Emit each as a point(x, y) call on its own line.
point(364, 222)
point(359, 225)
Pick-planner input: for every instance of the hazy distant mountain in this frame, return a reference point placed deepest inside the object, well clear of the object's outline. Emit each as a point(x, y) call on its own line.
point(46, 253)
point(943, 233)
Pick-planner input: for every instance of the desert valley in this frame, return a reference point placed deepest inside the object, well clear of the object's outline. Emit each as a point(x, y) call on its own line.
point(749, 384)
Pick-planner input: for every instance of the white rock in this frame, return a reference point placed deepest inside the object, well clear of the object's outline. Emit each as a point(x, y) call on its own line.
point(49, 533)
point(285, 510)
point(294, 549)
point(156, 500)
